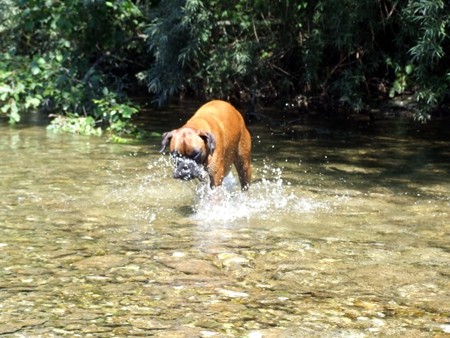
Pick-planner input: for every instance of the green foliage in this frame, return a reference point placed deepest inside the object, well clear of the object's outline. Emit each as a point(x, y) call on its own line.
point(428, 21)
point(77, 58)
point(343, 51)
point(202, 47)
point(75, 124)
point(60, 57)
point(166, 38)
point(21, 84)
point(116, 115)
point(402, 78)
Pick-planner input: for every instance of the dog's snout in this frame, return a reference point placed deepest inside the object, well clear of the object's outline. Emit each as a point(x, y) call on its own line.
point(182, 172)
point(185, 169)
point(184, 166)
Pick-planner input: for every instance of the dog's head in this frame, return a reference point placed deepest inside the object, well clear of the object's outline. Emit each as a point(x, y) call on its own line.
point(190, 150)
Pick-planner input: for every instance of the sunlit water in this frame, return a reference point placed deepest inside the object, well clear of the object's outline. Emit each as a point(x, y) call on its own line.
point(342, 234)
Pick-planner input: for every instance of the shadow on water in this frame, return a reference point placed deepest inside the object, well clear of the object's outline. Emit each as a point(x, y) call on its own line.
point(343, 233)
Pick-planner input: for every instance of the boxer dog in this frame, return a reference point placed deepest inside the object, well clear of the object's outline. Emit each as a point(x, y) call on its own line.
point(213, 139)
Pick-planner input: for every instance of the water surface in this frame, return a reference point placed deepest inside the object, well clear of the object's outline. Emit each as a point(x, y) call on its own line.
point(342, 234)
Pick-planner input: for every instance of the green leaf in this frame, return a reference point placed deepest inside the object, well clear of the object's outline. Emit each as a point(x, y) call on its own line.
point(14, 116)
point(41, 62)
point(35, 70)
point(32, 102)
point(20, 87)
point(4, 108)
point(58, 56)
point(409, 69)
point(5, 89)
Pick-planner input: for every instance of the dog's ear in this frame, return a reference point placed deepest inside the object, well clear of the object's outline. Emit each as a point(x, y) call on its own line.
point(166, 140)
point(209, 139)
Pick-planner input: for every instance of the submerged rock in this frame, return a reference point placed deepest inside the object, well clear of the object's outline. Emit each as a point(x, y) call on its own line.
point(101, 262)
point(229, 259)
point(232, 294)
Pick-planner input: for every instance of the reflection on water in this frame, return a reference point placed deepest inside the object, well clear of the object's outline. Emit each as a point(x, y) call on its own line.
point(341, 235)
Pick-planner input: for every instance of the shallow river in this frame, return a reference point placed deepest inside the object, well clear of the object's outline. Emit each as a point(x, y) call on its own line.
point(342, 234)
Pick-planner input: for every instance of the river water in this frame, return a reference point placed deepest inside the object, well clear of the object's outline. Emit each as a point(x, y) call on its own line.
point(343, 233)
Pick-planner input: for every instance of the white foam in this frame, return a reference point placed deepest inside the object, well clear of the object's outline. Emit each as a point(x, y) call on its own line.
point(155, 196)
point(267, 197)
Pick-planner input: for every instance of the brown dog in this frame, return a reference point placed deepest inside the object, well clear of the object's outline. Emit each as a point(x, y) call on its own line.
point(209, 143)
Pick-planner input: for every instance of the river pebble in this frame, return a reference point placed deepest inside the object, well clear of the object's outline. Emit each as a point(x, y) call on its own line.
point(233, 294)
point(228, 259)
point(101, 262)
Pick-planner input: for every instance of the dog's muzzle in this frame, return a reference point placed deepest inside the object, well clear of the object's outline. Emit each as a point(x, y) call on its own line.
point(187, 169)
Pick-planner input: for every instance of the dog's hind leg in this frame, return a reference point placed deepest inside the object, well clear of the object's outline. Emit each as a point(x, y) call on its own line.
point(242, 162)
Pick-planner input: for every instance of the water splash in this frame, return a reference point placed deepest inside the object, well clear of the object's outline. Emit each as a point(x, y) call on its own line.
point(152, 195)
point(270, 197)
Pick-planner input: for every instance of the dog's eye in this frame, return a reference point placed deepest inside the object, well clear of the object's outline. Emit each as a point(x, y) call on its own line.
point(196, 155)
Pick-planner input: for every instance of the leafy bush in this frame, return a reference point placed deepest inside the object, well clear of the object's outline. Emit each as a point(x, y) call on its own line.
point(344, 52)
point(206, 48)
point(19, 87)
point(75, 124)
point(428, 23)
point(68, 58)
point(77, 58)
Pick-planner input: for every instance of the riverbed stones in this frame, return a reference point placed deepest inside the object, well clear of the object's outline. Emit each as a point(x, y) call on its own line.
point(148, 323)
point(13, 326)
point(187, 265)
point(195, 266)
point(101, 262)
point(229, 259)
point(232, 293)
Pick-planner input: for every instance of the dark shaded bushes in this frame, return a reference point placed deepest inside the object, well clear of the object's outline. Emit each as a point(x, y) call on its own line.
point(79, 58)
